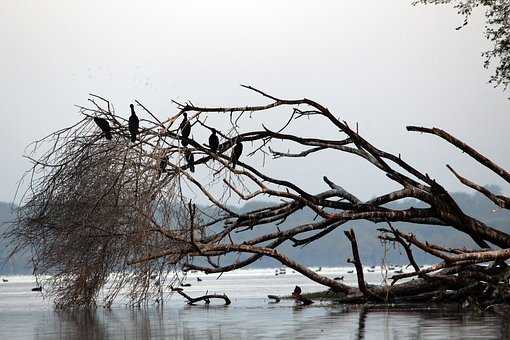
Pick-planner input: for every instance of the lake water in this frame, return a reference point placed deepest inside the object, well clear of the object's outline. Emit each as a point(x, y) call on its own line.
point(26, 315)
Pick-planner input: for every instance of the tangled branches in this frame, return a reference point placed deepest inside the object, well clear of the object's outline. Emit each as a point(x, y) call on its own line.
point(101, 210)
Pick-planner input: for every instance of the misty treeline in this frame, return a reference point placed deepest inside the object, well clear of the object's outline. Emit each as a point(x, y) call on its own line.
point(110, 203)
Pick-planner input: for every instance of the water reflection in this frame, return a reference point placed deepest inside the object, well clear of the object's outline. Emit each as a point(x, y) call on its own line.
point(23, 315)
point(266, 322)
point(82, 324)
point(361, 323)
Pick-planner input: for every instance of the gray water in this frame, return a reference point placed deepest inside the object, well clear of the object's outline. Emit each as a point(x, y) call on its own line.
point(26, 315)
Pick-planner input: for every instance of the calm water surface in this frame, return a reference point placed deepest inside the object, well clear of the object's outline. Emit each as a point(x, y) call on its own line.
point(26, 315)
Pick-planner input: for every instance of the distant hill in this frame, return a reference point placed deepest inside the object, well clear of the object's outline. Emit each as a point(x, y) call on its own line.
point(19, 264)
point(334, 249)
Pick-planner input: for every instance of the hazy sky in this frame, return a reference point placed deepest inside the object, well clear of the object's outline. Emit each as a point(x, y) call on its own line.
point(382, 63)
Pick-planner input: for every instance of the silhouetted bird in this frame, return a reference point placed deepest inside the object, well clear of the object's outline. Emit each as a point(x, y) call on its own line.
point(190, 159)
point(162, 164)
point(214, 142)
point(185, 128)
point(104, 126)
point(297, 291)
point(37, 289)
point(236, 153)
point(199, 279)
point(134, 123)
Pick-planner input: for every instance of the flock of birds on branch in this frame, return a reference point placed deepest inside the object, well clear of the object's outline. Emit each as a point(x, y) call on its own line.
point(185, 131)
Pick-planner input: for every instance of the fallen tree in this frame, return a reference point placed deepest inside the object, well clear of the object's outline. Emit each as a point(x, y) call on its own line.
point(102, 208)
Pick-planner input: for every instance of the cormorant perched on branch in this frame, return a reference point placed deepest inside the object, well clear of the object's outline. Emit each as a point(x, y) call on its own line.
point(236, 153)
point(134, 123)
point(297, 291)
point(185, 128)
point(104, 126)
point(190, 159)
point(214, 142)
point(162, 164)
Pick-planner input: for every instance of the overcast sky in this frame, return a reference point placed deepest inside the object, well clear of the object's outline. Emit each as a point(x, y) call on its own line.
point(382, 63)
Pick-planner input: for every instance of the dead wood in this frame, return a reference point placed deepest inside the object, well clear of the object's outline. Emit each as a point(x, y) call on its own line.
point(206, 298)
point(98, 210)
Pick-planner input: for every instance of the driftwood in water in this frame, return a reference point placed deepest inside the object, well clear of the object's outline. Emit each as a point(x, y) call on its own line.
point(274, 298)
point(206, 298)
point(302, 299)
point(296, 294)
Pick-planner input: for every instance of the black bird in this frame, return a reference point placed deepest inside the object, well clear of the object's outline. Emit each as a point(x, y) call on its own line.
point(199, 279)
point(37, 289)
point(214, 142)
point(134, 123)
point(297, 291)
point(190, 159)
point(236, 153)
point(162, 164)
point(104, 126)
point(185, 128)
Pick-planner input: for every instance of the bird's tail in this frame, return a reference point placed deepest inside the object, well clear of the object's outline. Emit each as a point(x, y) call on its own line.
point(133, 138)
point(108, 135)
